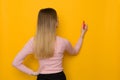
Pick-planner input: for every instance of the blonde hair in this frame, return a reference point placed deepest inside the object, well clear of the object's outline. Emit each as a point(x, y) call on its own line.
point(44, 39)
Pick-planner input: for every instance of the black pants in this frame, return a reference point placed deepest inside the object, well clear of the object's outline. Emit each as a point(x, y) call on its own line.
point(52, 76)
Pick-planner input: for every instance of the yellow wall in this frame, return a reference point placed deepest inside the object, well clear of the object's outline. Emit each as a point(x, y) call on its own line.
point(99, 58)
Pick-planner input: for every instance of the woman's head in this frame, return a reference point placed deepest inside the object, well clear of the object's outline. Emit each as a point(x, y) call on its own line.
point(47, 17)
point(46, 33)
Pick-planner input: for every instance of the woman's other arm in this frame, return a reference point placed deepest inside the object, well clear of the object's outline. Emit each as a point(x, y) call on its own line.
point(74, 50)
point(18, 60)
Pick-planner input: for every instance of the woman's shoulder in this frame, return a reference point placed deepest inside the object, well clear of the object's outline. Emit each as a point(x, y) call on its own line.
point(32, 37)
point(63, 39)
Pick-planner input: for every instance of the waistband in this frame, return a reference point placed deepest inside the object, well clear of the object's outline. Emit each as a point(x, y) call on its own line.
point(52, 73)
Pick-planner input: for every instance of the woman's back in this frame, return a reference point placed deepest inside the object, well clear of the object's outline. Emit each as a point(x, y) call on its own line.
point(49, 65)
point(53, 64)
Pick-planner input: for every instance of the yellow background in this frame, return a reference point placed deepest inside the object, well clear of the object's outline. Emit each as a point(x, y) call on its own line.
point(99, 57)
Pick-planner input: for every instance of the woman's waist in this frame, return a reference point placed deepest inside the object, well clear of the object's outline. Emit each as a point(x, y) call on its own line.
point(50, 71)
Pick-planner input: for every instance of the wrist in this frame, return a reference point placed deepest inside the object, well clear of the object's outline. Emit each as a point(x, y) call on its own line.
point(35, 73)
point(82, 35)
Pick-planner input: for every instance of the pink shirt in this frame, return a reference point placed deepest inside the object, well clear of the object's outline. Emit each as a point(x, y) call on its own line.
point(50, 65)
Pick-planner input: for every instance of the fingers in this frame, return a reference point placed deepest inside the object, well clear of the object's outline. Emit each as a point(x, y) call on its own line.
point(84, 26)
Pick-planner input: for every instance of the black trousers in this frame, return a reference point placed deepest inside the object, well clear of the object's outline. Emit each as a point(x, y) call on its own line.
point(52, 76)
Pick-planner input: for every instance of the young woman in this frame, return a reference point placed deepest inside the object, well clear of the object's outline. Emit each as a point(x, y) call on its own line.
point(48, 48)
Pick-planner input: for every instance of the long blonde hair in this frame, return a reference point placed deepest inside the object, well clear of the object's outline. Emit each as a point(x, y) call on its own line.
point(44, 39)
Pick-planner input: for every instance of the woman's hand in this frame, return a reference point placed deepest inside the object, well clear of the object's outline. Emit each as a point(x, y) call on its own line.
point(84, 29)
point(35, 73)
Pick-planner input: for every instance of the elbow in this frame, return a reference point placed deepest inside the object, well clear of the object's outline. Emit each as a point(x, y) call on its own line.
point(74, 53)
point(14, 64)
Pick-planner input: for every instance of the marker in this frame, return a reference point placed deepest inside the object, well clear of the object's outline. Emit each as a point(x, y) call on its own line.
point(83, 24)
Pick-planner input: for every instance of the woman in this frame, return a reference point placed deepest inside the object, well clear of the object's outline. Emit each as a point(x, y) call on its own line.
point(48, 48)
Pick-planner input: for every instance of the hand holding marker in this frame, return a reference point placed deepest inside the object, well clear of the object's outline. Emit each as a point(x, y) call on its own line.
point(83, 24)
point(84, 28)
